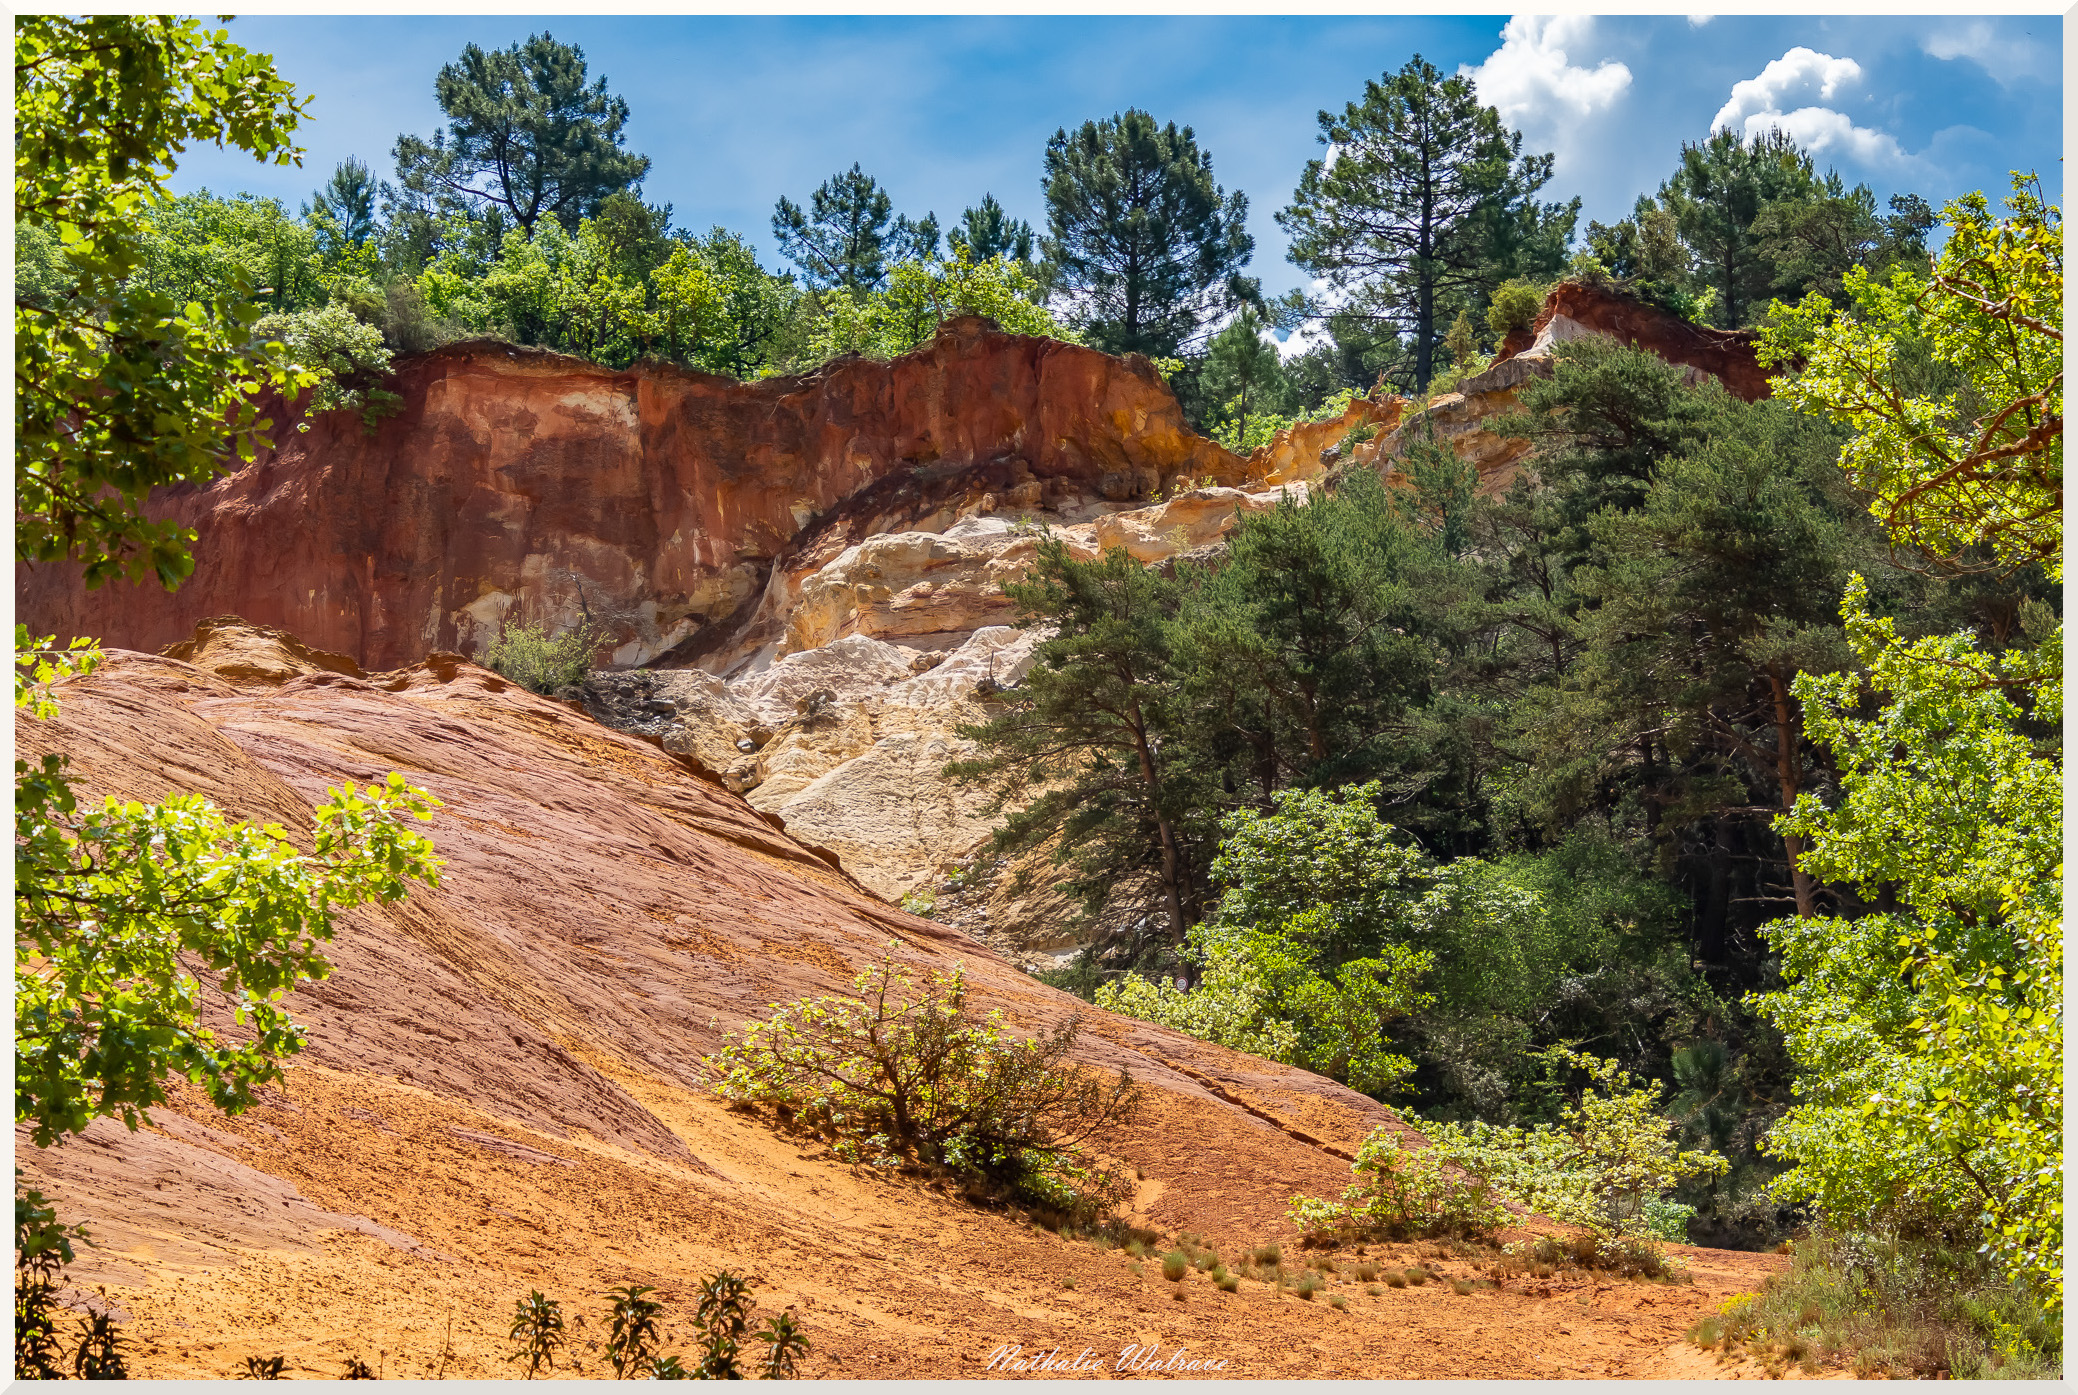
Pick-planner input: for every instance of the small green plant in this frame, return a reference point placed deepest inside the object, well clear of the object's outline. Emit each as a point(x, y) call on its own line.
point(1269, 1256)
point(1309, 1284)
point(1136, 1249)
point(1226, 1281)
point(632, 1329)
point(1461, 1287)
point(1174, 1265)
point(724, 1316)
point(1338, 1303)
point(357, 1369)
point(920, 902)
point(1375, 1291)
point(1417, 1277)
point(537, 1325)
point(541, 663)
point(666, 1368)
point(42, 1249)
point(100, 1354)
point(785, 1344)
point(262, 1368)
point(1396, 1280)
point(1366, 1272)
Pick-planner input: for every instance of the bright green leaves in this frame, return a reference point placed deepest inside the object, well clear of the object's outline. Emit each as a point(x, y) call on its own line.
point(1960, 464)
point(921, 293)
point(1931, 1038)
point(119, 387)
point(118, 909)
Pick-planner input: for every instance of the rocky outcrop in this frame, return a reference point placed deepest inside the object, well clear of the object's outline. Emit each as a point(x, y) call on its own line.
point(1463, 418)
point(516, 484)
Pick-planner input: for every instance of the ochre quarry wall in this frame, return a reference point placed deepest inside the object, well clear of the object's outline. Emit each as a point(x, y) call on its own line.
point(518, 484)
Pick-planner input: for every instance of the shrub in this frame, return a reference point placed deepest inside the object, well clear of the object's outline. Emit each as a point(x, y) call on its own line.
point(1174, 1264)
point(1402, 1192)
point(785, 1344)
point(541, 663)
point(1309, 1284)
point(907, 1072)
point(1417, 1277)
point(1338, 1302)
point(1461, 1287)
point(1396, 1279)
point(261, 1368)
point(1366, 1273)
point(1227, 1282)
point(1269, 1256)
point(1515, 305)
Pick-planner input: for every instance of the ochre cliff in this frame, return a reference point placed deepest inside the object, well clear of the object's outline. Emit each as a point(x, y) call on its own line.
point(522, 485)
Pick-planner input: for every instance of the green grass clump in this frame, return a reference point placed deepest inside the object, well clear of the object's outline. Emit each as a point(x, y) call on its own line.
point(1227, 1282)
point(1309, 1284)
point(1338, 1303)
point(1395, 1279)
point(1269, 1256)
point(1366, 1273)
point(1461, 1287)
point(1417, 1277)
point(1174, 1265)
point(1375, 1291)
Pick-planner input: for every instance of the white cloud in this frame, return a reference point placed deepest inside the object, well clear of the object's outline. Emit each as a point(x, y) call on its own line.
point(1764, 103)
point(1530, 79)
point(1799, 75)
point(1698, 21)
point(2005, 56)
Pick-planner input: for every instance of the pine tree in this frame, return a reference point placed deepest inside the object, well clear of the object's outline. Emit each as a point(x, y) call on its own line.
point(1142, 243)
point(1428, 201)
point(987, 231)
point(1722, 187)
point(525, 135)
point(844, 238)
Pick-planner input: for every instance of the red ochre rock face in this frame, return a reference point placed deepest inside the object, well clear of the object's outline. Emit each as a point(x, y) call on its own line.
point(684, 512)
point(521, 485)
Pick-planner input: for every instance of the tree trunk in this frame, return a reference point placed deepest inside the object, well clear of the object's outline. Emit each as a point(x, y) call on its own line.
point(1172, 883)
point(1786, 772)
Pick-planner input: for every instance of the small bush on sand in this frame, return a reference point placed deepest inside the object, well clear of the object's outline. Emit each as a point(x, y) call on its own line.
point(908, 1072)
point(537, 1326)
point(1174, 1264)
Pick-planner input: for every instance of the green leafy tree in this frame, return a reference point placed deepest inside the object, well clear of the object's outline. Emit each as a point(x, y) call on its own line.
point(1406, 219)
point(108, 901)
point(1949, 470)
point(119, 391)
point(1930, 1034)
point(526, 135)
point(120, 387)
point(537, 1325)
point(1242, 372)
point(541, 662)
point(902, 1069)
point(844, 238)
point(1142, 244)
point(922, 294)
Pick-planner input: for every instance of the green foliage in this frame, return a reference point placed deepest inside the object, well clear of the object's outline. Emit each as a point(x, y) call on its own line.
point(1515, 305)
point(1721, 189)
point(785, 1344)
point(908, 1071)
point(42, 1248)
point(120, 388)
point(1402, 1193)
point(537, 1326)
point(921, 294)
point(107, 901)
point(986, 231)
point(344, 355)
point(526, 136)
point(1955, 467)
point(1427, 205)
point(1883, 1305)
point(1242, 371)
point(1086, 743)
point(1140, 239)
point(264, 1368)
point(540, 662)
point(1930, 1037)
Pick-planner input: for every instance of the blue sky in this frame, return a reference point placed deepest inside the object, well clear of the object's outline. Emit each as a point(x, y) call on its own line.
point(734, 112)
